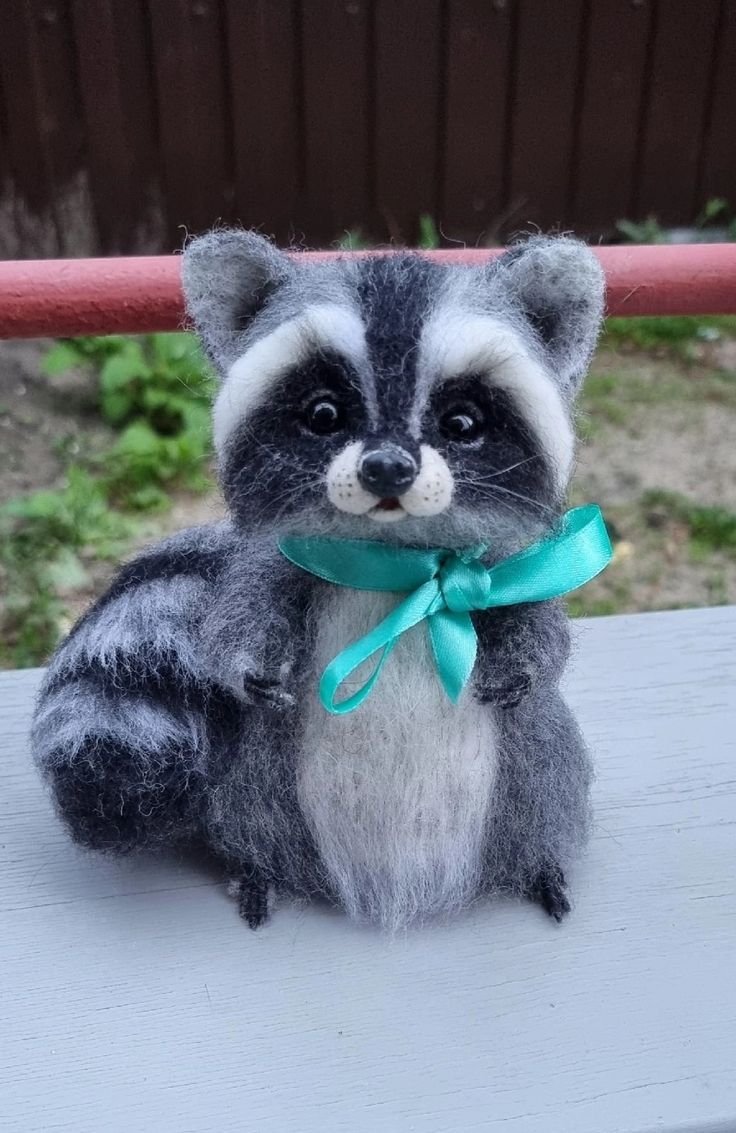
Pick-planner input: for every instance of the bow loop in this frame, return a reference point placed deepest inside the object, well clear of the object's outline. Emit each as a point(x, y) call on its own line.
point(464, 585)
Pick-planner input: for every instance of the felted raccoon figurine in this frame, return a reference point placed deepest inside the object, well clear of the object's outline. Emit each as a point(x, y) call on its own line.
point(387, 403)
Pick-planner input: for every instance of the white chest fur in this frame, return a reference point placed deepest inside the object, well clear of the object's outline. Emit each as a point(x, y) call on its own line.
point(397, 792)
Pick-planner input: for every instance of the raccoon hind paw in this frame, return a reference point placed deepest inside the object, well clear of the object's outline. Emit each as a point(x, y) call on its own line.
point(252, 892)
point(549, 889)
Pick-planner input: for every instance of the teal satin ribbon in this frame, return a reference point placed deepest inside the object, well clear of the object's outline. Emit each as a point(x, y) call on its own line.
point(444, 587)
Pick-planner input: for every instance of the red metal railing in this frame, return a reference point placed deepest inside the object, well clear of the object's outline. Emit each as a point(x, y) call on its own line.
point(64, 298)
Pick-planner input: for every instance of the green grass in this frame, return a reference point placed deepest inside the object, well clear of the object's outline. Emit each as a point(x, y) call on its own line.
point(614, 397)
point(709, 528)
point(579, 607)
point(677, 335)
point(661, 533)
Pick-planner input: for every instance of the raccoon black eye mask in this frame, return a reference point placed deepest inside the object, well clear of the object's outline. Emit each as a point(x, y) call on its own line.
point(395, 441)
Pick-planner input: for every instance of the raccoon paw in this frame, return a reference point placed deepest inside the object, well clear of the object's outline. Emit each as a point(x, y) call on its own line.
point(548, 889)
point(267, 692)
point(251, 891)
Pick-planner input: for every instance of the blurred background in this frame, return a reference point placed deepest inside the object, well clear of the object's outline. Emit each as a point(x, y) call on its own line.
point(126, 124)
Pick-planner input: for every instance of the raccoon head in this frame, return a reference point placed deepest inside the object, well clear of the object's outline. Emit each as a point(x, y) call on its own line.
point(392, 396)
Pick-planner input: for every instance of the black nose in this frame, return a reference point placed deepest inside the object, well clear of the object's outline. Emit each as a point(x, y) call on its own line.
point(387, 471)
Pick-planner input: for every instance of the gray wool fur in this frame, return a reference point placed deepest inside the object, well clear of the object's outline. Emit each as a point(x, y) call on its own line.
point(388, 398)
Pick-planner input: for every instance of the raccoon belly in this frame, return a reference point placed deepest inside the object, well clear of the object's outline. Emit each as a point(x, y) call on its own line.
point(397, 792)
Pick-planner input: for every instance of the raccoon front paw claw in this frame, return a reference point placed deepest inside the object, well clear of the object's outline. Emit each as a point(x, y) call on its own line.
point(265, 692)
point(509, 695)
point(548, 889)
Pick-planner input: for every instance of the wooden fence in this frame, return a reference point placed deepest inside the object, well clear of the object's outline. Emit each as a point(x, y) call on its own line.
point(124, 123)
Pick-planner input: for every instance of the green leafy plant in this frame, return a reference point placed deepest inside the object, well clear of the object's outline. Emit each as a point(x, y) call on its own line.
point(45, 539)
point(716, 210)
point(354, 240)
point(156, 392)
point(68, 352)
point(716, 213)
point(429, 236)
point(647, 231)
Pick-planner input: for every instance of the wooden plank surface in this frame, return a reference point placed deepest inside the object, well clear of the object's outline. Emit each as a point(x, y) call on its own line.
point(133, 998)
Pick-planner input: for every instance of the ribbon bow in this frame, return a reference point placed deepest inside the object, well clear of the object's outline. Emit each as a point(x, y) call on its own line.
point(444, 586)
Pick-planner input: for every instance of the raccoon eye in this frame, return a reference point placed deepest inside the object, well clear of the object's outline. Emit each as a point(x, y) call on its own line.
point(324, 416)
point(461, 423)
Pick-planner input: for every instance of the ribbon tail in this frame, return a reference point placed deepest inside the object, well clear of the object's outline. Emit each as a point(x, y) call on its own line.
point(455, 645)
point(340, 669)
point(576, 554)
point(384, 637)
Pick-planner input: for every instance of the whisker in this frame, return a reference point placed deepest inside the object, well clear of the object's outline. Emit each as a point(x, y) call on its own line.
point(503, 471)
point(493, 491)
point(524, 499)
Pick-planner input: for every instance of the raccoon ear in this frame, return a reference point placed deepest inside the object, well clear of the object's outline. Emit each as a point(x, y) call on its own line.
point(227, 276)
point(559, 286)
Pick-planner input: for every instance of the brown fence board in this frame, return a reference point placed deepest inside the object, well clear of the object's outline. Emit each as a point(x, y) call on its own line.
point(44, 132)
point(677, 112)
point(125, 121)
point(718, 177)
point(543, 116)
point(5, 172)
point(265, 92)
point(615, 58)
point(407, 97)
point(119, 118)
point(133, 36)
point(476, 107)
point(337, 102)
point(26, 140)
point(191, 84)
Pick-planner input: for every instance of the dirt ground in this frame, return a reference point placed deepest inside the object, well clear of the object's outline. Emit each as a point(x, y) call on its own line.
point(652, 425)
point(660, 430)
point(42, 423)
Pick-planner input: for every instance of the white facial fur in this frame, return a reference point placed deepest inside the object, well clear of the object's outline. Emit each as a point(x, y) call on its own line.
point(344, 490)
point(249, 379)
point(454, 343)
point(430, 493)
